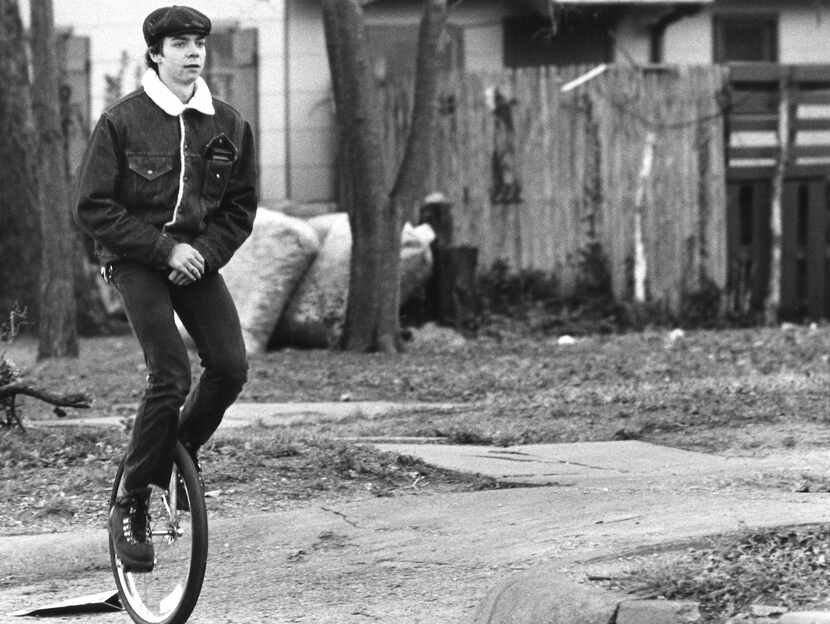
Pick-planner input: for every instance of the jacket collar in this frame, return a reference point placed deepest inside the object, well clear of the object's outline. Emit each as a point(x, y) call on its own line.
point(167, 101)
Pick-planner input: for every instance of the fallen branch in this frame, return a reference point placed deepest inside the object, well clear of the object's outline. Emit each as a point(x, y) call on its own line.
point(9, 393)
point(79, 400)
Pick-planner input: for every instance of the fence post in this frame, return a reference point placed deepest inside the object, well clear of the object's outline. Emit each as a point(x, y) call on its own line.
point(772, 305)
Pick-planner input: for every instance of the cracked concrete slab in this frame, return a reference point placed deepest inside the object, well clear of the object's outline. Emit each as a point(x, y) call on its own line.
point(543, 464)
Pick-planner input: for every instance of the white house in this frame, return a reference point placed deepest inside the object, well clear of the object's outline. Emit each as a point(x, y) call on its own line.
point(273, 65)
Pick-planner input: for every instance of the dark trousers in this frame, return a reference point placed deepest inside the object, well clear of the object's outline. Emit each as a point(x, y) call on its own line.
point(169, 410)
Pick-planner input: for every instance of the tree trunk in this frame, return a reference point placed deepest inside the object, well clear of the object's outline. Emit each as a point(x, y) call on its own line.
point(57, 328)
point(359, 124)
point(408, 190)
point(375, 214)
point(19, 226)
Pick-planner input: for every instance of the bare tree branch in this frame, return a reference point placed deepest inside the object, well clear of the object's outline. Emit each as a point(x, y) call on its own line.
point(77, 400)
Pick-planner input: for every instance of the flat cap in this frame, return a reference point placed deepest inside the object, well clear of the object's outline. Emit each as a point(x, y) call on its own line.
point(174, 20)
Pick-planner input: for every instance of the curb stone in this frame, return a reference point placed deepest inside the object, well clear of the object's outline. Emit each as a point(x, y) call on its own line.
point(679, 612)
point(790, 617)
point(544, 596)
point(805, 617)
point(657, 612)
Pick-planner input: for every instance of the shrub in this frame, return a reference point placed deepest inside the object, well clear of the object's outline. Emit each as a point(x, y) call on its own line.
point(513, 294)
point(533, 297)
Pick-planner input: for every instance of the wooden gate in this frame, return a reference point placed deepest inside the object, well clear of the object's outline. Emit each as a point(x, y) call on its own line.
point(756, 93)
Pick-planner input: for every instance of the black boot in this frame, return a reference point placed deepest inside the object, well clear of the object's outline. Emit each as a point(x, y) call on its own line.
point(129, 526)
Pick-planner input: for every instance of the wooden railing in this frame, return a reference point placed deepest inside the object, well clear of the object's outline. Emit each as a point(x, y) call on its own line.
point(756, 92)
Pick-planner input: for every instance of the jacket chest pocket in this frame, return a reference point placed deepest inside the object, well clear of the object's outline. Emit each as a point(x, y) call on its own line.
point(150, 176)
point(217, 173)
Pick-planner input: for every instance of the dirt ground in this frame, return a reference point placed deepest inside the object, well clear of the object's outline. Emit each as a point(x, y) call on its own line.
point(418, 559)
point(740, 392)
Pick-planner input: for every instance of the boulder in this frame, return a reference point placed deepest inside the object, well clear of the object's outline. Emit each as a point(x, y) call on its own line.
point(434, 338)
point(315, 315)
point(543, 595)
point(265, 271)
point(322, 224)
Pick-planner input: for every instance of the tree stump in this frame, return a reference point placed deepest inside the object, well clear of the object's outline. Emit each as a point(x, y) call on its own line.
point(450, 296)
point(454, 296)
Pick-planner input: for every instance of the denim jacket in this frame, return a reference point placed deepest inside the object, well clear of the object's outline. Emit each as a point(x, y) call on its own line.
point(157, 172)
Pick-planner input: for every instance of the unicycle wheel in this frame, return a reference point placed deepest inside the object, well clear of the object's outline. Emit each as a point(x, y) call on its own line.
point(168, 594)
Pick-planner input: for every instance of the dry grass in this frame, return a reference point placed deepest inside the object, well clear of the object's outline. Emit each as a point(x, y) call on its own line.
point(57, 478)
point(787, 568)
point(701, 391)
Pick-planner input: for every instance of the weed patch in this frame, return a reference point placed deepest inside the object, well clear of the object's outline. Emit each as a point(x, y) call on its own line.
point(55, 478)
point(787, 567)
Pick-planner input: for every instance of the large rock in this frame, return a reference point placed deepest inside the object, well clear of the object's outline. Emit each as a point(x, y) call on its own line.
point(544, 596)
point(322, 224)
point(315, 315)
point(658, 612)
point(264, 272)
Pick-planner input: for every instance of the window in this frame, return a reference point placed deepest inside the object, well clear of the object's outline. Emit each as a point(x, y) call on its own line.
point(746, 38)
point(580, 38)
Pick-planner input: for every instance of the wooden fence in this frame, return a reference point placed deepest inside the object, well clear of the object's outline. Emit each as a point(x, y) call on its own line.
point(537, 175)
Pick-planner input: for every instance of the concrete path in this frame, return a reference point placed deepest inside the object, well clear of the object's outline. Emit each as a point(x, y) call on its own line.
point(515, 555)
point(565, 464)
point(278, 414)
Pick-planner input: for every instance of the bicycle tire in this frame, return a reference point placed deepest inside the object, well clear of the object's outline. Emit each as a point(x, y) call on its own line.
point(176, 606)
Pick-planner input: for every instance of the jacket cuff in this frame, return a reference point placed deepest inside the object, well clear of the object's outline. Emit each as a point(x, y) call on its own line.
point(212, 261)
point(162, 250)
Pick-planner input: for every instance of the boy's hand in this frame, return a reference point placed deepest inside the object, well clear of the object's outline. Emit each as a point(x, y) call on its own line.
point(179, 278)
point(187, 263)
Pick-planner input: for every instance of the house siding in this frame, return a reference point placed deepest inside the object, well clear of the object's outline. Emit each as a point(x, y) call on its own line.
point(690, 41)
point(481, 23)
point(632, 42)
point(312, 141)
point(803, 32)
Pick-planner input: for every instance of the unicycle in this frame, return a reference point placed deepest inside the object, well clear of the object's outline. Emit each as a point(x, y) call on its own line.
point(168, 594)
